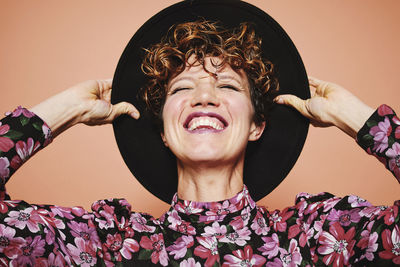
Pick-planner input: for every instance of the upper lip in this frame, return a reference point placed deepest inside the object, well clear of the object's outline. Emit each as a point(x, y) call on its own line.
point(204, 114)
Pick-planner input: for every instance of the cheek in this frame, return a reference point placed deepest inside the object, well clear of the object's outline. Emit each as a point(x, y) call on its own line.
point(242, 107)
point(171, 113)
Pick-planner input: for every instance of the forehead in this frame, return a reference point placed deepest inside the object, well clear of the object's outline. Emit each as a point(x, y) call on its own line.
point(210, 67)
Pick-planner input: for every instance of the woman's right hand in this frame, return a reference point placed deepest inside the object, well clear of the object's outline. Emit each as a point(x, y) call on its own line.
point(87, 102)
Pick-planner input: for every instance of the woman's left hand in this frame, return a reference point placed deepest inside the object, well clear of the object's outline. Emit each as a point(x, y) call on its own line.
point(330, 104)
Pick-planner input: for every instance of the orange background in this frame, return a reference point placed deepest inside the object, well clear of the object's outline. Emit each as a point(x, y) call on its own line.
point(47, 46)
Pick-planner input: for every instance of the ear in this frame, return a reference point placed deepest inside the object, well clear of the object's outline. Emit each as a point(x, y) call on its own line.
point(256, 131)
point(164, 139)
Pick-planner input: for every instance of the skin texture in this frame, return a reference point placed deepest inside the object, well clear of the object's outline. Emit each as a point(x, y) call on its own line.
point(330, 105)
point(87, 102)
point(210, 162)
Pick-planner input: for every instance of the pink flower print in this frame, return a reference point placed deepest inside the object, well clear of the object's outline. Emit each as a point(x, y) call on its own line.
point(189, 263)
point(10, 245)
point(337, 245)
point(301, 205)
point(291, 258)
point(276, 263)
point(241, 220)
point(356, 201)
point(259, 225)
point(24, 152)
point(188, 207)
point(396, 120)
point(394, 159)
point(243, 257)
point(271, 246)
point(83, 231)
point(31, 250)
point(108, 214)
point(139, 223)
point(62, 248)
point(185, 228)
point(20, 110)
point(180, 246)
point(214, 230)
point(330, 203)
point(179, 225)
point(278, 220)
point(380, 134)
point(390, 214)
point(47, 134)
point(217, 212)
point(22, 218)
point(55, 260)
point(304, 229)
point(370, 246)
point(155, 243)
point(318, 226)
point(5, 143)
point(344, 217)
point(237, 237)
point(121, 248)
point(397, 132)
point(63, 212)
point(82, 253)
point(313, 208)
point(208, 249)
point(391, 244)
point(4, 170)
point(384, 110)
point(4, 204)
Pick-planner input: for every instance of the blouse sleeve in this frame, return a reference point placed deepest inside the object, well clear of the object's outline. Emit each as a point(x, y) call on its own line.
point(349, 230)
point(38, 235)
point(380, 136)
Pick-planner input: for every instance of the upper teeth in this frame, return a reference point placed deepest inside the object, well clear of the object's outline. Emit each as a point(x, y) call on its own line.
point(204, 122)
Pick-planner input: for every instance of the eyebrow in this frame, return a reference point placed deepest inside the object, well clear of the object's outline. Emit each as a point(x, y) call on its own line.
point(228, 77)
point(180, 79)
point(219, 77)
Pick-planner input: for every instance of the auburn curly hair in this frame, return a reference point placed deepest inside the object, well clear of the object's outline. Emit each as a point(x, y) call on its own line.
point(239, 47)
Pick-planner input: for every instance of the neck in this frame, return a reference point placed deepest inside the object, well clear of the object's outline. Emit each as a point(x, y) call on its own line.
point(206, 184)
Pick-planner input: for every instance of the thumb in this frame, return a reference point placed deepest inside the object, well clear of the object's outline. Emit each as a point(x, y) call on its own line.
point(124, 108)
point(293, 101)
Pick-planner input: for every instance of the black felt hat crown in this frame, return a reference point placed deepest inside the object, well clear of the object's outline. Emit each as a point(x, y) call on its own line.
point(268, 160)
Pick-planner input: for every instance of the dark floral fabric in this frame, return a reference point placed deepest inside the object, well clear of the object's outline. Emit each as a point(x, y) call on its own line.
point(318, 230)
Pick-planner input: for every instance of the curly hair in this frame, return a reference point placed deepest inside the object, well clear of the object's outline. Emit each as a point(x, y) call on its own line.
point(239, 47)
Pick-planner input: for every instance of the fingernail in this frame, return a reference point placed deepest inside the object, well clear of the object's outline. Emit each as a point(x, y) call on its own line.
point(134, 114)
point(279, 100)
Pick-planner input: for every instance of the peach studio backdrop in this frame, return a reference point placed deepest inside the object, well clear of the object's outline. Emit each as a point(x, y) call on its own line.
point(47, 46)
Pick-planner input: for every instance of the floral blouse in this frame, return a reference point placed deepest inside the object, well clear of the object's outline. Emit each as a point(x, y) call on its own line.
point(318, 230)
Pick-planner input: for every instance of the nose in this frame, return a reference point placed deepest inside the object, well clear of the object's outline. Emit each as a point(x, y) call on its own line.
point(205, 95)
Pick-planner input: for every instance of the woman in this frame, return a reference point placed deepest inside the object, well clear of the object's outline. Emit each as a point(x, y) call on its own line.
point(207, 122)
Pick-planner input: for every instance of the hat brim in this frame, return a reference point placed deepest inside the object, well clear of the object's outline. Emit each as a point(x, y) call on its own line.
point(268, 160)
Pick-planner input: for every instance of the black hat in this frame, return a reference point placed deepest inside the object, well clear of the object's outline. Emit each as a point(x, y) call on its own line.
point(268, 160)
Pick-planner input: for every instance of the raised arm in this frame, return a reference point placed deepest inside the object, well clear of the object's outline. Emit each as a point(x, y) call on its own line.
point(44, 235)
point(350, 230)
point(330, 105)
point(87, 102)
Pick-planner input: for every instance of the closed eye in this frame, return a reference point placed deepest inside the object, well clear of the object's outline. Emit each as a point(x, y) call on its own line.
point(228, 86)
point(176, 90)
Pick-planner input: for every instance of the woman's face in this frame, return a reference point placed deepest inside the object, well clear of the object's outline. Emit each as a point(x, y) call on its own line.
point(209, 118)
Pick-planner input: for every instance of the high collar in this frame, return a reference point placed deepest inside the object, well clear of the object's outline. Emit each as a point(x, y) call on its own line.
point(186, 216)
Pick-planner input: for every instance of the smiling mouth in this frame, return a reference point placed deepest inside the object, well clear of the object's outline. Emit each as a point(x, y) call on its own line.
point(201, 122)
